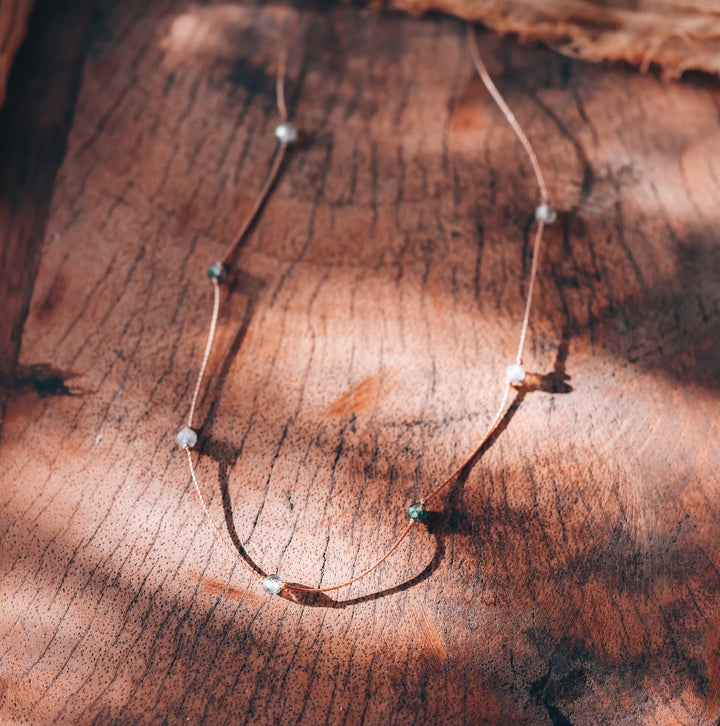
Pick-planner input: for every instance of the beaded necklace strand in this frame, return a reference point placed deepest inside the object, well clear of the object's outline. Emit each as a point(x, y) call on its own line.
point(286, 134)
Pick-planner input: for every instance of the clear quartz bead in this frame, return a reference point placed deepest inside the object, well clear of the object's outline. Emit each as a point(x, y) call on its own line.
point(272, 585)
point(545, 214)
point(514, 373)
point(286, 132)
point(187, 437)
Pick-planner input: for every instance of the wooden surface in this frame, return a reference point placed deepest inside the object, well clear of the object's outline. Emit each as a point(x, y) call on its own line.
point(572, 577)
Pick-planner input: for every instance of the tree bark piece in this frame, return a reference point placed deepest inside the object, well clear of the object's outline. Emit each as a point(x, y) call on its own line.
point(33, 126)
point(570, 577)
point(14, 16)
point(674, 36)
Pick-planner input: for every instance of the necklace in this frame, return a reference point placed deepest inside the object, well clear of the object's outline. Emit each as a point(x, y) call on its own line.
point(286, 134)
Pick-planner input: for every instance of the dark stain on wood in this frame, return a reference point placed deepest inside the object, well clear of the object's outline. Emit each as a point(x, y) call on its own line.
point(359, 399)
point(42, 378)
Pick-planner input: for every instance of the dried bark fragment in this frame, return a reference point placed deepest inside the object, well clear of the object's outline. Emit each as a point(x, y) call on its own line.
point(673, 35)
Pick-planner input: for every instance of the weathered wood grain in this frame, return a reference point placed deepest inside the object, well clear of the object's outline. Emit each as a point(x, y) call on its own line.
point(573, 575)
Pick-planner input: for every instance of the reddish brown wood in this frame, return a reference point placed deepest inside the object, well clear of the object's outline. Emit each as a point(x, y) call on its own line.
point(573, 574)
point(33, 128)
point(14, 16)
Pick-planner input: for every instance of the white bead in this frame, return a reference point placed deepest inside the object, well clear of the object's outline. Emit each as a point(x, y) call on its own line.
point(514, 373)
point(272, 585)
point(187, 437)
point(286, 133)
point(545, 214)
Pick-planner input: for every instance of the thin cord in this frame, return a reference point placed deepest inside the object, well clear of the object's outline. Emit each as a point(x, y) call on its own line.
point(228, 545)
point(206, 355)
point(280, 83)
point(303, 588)
point(239, 236)
point(259, 202)
point(250, 218)
point(247, 222)
point(531, 290)
point(279, 155)
point(491, 430)
point(509, 115)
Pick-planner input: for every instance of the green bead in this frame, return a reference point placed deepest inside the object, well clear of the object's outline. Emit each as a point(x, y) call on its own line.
point(417, 512)
point(217, 272)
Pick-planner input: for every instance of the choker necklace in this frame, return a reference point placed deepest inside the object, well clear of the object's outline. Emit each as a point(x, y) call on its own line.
point(286, 133)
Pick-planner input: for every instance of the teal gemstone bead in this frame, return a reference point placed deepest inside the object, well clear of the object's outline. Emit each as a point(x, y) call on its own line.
point(417, 512)
point(217, 271)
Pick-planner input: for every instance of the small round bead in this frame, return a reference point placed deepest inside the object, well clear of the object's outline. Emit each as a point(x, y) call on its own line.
point(217, 271)
point(417, 512)
point(272, 584)
point(286, 133)
point(514, 373)
point(187, 437)
point(545, 214)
